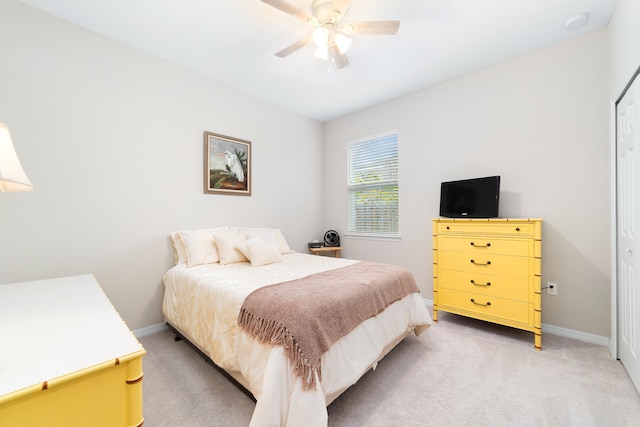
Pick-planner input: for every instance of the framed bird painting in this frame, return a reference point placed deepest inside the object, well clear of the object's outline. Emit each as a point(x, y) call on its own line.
point(227, 165)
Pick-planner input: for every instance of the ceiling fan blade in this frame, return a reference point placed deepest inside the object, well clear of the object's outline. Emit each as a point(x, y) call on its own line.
point(289, 8)
point(341, 6)
point(293, 47)
point(340, 59)
point(372, 27)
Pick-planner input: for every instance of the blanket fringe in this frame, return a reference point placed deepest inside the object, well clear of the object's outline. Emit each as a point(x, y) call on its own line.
point(272, 332)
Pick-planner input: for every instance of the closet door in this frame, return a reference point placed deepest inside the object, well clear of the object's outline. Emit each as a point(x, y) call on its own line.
point(628, 229)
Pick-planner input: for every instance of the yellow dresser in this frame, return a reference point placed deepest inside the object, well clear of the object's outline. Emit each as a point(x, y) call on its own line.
point(489, 269)
point(66, 357)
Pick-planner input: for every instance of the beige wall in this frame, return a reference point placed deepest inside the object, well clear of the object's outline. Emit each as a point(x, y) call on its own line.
point(112, 139)
point(541, 122)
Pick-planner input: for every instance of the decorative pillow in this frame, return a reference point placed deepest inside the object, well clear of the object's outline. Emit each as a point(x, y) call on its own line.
point(262, 253)
point(261, 249)
point(227, 247)
point(276, 232)
point(199, 247)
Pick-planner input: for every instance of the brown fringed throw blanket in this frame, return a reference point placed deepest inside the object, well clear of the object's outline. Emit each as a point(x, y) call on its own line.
point(306, 316)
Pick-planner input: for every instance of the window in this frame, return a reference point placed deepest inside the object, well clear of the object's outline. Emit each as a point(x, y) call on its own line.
point(373, 186)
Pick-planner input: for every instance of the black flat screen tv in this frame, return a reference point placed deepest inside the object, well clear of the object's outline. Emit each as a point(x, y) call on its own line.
point(470, 198)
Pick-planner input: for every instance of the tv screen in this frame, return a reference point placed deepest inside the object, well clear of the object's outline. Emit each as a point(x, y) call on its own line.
point(470, 198)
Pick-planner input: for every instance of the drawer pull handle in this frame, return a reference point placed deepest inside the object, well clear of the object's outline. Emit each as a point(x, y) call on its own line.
point(483, 305)
point(473, 282)
point(479, 263)
point(517, 228)
point(480, 246)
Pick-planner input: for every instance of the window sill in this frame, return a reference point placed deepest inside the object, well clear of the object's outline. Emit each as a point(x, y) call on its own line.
point(382, 237)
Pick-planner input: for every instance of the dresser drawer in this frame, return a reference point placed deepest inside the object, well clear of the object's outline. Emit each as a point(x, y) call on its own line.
point(487, 245)
point(486, 284)
point(499, 265)
point(506, 228)
point(484, 306)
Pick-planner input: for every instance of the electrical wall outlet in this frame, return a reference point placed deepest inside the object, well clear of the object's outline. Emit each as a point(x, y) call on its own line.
point(552, 288)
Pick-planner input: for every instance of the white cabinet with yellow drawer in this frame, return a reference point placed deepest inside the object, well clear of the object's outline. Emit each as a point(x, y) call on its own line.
point(489, 269)
point(67, 358)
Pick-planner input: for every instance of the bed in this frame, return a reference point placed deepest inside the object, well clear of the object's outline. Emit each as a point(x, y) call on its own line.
point(219, 272)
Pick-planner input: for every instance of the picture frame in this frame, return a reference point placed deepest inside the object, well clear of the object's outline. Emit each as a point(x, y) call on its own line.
point(227, 165)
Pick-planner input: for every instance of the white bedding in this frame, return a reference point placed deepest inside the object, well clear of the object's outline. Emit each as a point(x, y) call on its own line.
point(203, 303)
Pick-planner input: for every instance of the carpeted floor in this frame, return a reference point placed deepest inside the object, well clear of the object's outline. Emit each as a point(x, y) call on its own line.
point(460, 372)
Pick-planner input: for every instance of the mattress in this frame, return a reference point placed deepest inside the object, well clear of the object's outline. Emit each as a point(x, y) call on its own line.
point(203, 302)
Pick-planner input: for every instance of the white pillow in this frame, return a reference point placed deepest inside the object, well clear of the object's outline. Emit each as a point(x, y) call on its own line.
point(227, 247)
point(179, 253)
point(276, 232)
point(199, 247)
point(261, 249)
point(262, 253)
point(260, 238)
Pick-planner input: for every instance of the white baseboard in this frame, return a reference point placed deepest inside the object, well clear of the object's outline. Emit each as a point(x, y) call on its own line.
point(576, 335)
point(149, 330)
point(563, 332)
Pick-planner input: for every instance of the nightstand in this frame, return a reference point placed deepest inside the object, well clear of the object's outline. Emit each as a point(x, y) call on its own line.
point(326, 249)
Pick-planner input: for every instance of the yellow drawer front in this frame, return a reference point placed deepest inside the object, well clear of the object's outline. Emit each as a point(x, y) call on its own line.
point(525, 229)
point(484, 307)
point(105, 395)
point(500, 265)
point(488, 245)
point(486, 285)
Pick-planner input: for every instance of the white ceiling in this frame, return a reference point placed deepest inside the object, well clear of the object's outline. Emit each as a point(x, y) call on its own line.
point(234, 41)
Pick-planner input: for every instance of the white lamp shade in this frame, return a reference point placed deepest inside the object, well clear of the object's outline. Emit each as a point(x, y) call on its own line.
point(12, 176)
point(343, 42)
point(320, 36)
point(322, 52)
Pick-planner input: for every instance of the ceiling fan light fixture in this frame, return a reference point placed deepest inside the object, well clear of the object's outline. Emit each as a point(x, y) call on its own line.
point(330, 35)
point(322, 52)
point(320, 36)
point(342, 42)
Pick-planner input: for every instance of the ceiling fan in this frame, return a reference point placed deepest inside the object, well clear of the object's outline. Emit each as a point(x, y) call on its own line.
point(331, 34)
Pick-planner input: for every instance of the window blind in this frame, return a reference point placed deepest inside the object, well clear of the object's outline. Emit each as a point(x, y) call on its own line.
point(373, 186)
